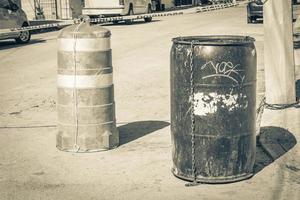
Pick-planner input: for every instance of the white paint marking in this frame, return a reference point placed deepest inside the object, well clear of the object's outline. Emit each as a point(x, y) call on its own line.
point(84, 44)
point(253, 52)
point(209, 103)
point(84, 81)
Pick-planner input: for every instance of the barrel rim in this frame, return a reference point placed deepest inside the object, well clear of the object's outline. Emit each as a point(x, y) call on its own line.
point(214, 40)
point(84, 32)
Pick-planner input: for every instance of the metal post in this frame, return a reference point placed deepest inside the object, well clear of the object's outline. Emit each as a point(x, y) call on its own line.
point(56, 10)
point(278, 52)
point(34, 1)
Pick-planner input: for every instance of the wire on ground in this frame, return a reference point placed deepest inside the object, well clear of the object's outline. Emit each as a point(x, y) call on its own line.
point(197, 9)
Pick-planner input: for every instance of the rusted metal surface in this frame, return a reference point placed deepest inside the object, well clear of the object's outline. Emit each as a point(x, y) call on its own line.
point(222, 105)
point(85, 98)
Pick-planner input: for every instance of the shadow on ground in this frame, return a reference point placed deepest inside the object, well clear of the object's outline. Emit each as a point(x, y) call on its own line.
point(9, 44)
point(135, 130)
point(272, 143)
point(134, 23)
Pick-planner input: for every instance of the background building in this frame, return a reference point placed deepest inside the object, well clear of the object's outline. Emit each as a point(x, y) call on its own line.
point(168, 3)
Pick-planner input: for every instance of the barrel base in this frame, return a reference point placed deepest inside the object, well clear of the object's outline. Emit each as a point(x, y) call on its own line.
point(88, 144)
point(213, 180)
point(84, 150)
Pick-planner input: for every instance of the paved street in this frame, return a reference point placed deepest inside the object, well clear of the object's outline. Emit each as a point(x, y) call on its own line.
point(32, 168)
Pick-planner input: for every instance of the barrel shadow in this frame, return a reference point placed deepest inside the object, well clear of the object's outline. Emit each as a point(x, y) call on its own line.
point(272, 143)
point(9, 44)
point(135, 130)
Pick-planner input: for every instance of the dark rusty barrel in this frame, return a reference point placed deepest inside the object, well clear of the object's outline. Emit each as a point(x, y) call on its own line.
point(213, 99)
point(85, 98)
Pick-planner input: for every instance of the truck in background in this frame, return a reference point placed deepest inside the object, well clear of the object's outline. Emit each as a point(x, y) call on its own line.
point(110, 8)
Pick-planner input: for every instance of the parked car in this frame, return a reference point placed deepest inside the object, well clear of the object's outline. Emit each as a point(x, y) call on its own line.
point(255, 10)
point(107, 8)
point(11, 16)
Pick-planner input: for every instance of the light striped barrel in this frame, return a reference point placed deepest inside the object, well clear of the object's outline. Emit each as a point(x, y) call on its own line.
point(85, 94)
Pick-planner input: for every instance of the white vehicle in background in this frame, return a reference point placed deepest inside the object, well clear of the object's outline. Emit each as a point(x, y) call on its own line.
point(110, 8)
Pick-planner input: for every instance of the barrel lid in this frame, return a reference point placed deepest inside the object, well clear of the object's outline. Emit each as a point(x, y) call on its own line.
point(84, 30)
point(214, 40)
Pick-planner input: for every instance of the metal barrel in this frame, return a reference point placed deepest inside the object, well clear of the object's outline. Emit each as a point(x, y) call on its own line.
point(213, 114)
point(85, 94)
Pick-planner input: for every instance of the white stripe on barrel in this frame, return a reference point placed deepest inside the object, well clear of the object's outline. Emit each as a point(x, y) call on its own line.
point(84, 81)
point(84, 44)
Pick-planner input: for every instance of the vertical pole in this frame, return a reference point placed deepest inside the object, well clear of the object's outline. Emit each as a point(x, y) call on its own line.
point(67, 10)
point(35, 15)
point(278, 52)
point(56, 10)
point(297, 48)
point(296, 30)
point(61, 9)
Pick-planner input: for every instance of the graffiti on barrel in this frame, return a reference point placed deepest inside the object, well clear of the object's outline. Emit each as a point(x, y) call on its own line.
point(225, 69)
